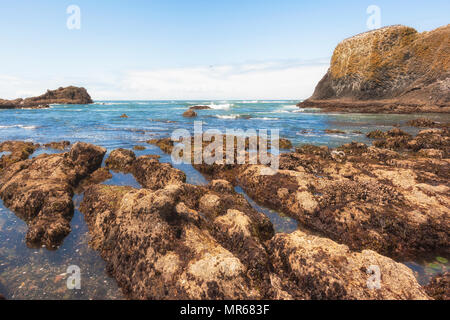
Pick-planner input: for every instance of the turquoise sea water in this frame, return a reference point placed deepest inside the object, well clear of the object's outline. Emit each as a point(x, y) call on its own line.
point(100, 123)
point(39, 274)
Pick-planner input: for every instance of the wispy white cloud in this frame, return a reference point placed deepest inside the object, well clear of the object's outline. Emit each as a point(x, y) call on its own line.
point(259, 80)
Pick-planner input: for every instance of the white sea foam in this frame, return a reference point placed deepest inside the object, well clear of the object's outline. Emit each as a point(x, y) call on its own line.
point(286, 109)
point(233, 116)
point(290, 107)
point(224, 106)
point(307, 134)
point(114, 103)
point(266, 119)
point(19, 126)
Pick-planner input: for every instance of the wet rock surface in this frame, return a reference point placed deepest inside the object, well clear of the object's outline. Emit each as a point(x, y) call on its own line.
point(426, 123)
point(439, 287)
point(311, 267)
point(172, 240)
point(18, 151)
point(120, 160)
point(98, 176)
point(160, 245)
point(391, 197)
point(40, 191)
point(152, 174)
point(285, 143)
point(62, 145)
point(179, 241)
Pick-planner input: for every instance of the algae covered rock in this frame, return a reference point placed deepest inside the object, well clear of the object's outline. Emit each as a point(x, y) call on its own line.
point(120, 160)
point(312, 267)
point(40, 191)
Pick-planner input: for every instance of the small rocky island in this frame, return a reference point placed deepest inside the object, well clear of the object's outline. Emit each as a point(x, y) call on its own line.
point(389, 70)
point(68, 95)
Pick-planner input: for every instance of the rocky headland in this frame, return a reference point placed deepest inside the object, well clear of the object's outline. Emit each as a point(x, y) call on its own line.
point(68, 95)
point(390, 70)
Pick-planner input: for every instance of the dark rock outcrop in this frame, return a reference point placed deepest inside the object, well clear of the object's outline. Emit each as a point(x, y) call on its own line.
point(152, 174)
point(120, 160)
point(61, 145)
point(285, 143)
point(68, 95)
point(40, 191)
point(17, 151)
point(439, 287)
point(200, 108)
point(390, 70)
point(190, 114)
point(427, 123)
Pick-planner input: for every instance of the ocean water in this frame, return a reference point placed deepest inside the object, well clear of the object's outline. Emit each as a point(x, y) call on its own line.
point(41, 274)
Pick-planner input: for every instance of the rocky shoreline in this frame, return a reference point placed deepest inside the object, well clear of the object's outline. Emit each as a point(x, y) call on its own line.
point(394, 106)
point(358, 207)
point(68, 95)
point(391, 197)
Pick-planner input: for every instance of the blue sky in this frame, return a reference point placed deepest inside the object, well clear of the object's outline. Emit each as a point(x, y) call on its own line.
point(248, 49)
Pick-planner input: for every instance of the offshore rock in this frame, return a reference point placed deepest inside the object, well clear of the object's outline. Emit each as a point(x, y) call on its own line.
point(390, 70)
point(68, 95)
point(190, 114)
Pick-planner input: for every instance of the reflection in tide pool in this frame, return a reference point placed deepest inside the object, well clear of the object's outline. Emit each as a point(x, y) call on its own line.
point(427, 267)
point(41, 274)
point(281, 223)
